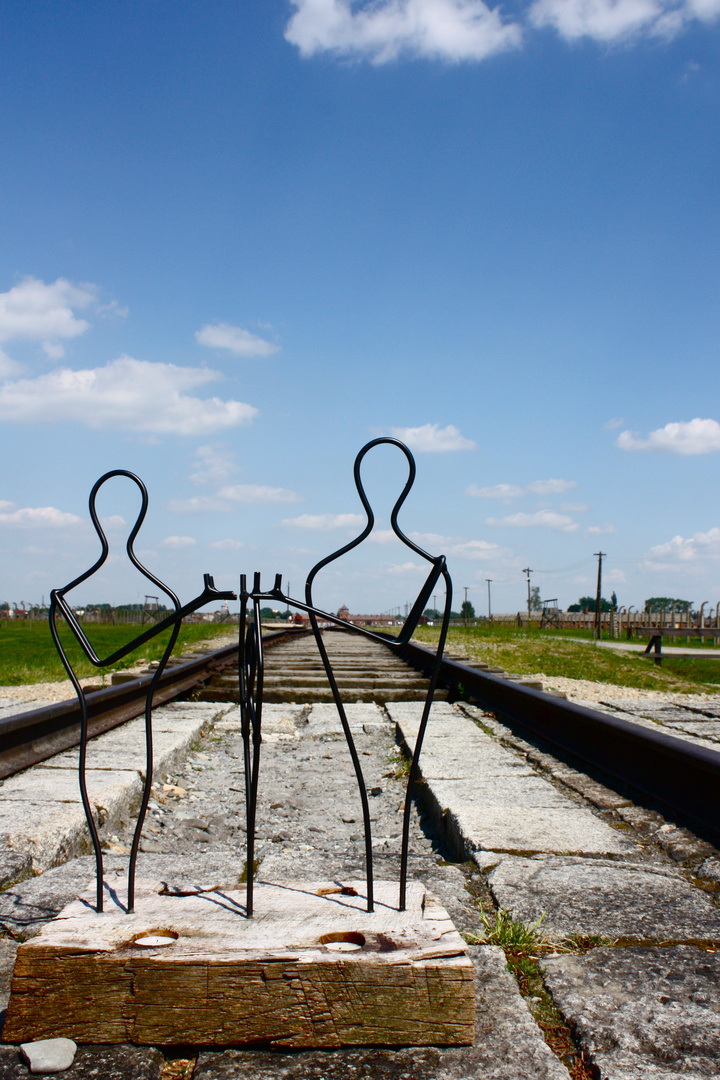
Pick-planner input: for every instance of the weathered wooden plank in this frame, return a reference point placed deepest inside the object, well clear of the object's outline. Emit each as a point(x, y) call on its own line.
point(283, 978)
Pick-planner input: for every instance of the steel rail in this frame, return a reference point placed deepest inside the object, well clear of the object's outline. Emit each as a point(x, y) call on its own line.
point(30, 737)
point(677, 773)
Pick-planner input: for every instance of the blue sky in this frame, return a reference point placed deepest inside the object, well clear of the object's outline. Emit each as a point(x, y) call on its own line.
point(241, 239)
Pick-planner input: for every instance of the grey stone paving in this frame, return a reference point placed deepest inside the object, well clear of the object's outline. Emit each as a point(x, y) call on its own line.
point(309, 825)
point(604, 898)
point(41, 816)
point(643, 1012)
point(700, 725)
point(488, 799)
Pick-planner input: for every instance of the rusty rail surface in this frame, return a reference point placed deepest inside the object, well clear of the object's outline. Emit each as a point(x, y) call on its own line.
point(33, 736)
point(678, 773)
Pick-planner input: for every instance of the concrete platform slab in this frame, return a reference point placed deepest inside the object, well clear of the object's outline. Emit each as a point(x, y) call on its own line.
point(362, 716)
point(41, 786)
point(567, 829)
point(642, 1012)
point(41, 814)
point(276, 720)
point(497, 802)
point(605, 898)
point(524, 792)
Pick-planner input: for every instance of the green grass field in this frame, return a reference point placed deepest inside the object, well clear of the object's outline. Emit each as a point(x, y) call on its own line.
point(28, 655)
point(554, 653)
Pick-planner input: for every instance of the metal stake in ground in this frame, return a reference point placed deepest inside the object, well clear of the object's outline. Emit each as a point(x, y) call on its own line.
point(598, 598)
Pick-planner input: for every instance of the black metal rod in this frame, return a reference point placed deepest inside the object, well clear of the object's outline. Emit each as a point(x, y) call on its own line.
point(415, 763)
point(58, 603)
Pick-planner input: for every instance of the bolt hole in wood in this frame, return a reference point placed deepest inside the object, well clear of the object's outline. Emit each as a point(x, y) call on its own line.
point(347, 941)
point(156, 939)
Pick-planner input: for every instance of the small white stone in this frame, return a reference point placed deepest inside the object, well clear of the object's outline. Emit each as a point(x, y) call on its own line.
point(49, 1055)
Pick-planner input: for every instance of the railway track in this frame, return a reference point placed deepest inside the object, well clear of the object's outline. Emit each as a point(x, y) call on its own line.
point(33, 735)
point(632, 927)
point(680, 774)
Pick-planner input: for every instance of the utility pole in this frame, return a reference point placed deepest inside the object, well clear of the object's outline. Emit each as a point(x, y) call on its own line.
point(597, 633)
point(465, 587)
point(489, 579)
point(527, 571)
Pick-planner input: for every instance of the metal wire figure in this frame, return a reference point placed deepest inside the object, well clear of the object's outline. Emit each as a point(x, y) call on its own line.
point(251, 671)
point(59, 605)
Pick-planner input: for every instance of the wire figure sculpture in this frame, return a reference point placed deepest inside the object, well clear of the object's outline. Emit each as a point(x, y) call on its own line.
point(251, 670)
point(59, 606)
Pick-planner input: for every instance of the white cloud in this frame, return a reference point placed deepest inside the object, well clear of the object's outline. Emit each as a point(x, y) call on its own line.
point(614, 423)
point(178, 542)
point(574, 508)
point(235, 340)
point(432, 439)
point(226, 545)
point(681, 550)
point(507, 492)
point(603, 20)
point(495, 491)
point(324, 522)
point(199, 504)
point(381, 30)
point(53, 350)
point(468, 30)
point(685, 437)
point(384, 536)
point(541, 519)
point(474, 549)
point(40, 517)
point(9, 368)
point(456, 547)
point(705, 10)
point(618, 20)
point(226, 498)
point(126, 394)
point(213, 465)
point(34, 311)
point(602, 530)
point(551, 487)
point(256, 493)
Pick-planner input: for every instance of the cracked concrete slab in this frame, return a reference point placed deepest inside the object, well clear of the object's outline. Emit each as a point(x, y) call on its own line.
point(362, 716)
point(41, 814)
point(497, 803)
point(605, 898)
point(642, 1013)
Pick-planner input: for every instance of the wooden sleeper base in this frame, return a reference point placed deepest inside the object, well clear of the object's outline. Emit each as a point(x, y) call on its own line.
point(312, 968)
